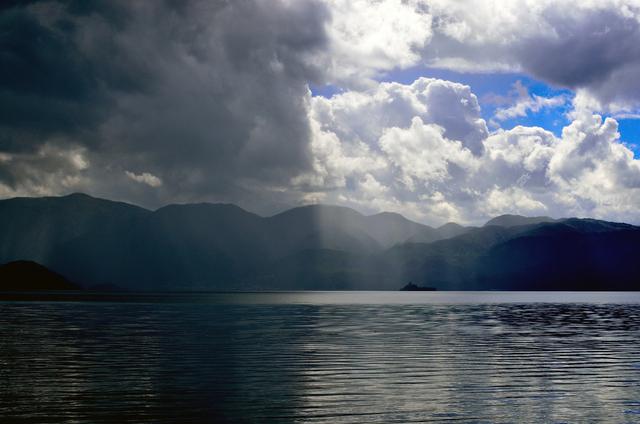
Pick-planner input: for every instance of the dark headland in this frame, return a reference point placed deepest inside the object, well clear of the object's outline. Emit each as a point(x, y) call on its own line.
point(30, 276)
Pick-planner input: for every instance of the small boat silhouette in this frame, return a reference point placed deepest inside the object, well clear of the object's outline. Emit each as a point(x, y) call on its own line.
point(413, 287)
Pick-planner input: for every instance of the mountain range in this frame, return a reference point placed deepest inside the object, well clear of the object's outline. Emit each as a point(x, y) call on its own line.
point(102, 243)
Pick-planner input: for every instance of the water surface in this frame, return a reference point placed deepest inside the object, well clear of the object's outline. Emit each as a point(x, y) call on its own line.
point(338, 357)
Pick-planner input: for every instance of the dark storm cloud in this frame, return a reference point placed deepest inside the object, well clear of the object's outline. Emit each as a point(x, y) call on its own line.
point(578, 45)
point(51, 84)
point(44, 82)
point(208, 96)
point(586, 50)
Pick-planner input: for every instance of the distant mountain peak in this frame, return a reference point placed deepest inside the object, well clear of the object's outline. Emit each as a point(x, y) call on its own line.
point(321, 206)
point(509, 220)
point(390, 214)
point(450, 225)
point(318, 209)
point(78, 195)
point(202, 205)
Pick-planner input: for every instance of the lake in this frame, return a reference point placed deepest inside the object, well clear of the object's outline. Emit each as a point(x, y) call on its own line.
point(336, 357)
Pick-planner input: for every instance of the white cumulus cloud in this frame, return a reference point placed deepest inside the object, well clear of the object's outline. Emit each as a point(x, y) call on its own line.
point(525, 103)
point(145, 178)
point(423, 149)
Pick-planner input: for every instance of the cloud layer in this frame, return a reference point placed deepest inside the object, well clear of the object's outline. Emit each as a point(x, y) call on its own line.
point(209, 101)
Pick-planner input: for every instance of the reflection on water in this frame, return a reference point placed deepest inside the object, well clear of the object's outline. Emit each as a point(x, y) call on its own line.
point(236, 359)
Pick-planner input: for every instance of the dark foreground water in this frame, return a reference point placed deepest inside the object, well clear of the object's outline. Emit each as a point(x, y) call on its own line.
point(321, 357)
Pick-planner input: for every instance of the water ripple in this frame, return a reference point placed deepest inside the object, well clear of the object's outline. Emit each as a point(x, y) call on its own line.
point(338, 363)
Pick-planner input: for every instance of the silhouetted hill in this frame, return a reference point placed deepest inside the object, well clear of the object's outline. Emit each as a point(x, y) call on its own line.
point(321, 227)
point(451, 229)
point(336, 227)
point(425, 235)
point(446, 231)
point(576, 255)
point(33, 228)
point(573, 254)
point(391, 228)
point(190, 247)
point(30, 276)
point(222, 247)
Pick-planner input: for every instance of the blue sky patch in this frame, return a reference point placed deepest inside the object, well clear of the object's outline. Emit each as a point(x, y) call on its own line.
point(495, 91)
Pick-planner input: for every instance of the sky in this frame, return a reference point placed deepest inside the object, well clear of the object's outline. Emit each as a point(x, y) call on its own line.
point(439, 110)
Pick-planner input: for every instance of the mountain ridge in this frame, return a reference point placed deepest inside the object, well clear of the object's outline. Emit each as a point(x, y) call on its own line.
point(510, 220)
point(217, 246)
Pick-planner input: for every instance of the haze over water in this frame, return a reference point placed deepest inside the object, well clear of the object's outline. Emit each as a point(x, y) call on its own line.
point(337, 357)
